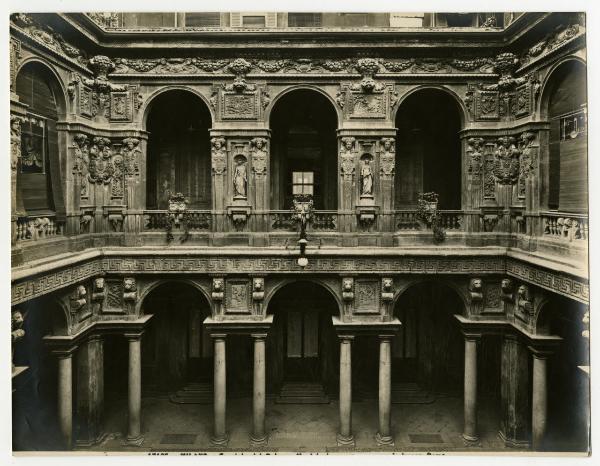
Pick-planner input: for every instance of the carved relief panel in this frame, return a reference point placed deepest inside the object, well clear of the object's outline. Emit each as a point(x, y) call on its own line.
point(366, 296)
point(238, 297)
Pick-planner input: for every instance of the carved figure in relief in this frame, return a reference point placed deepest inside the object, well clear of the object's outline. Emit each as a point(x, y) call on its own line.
point(79, 299)
point(129, 289)
point(240, 178)
point(387, 157)
point(219, 156)
point(506, 164)
point(347, 157)
point(259, 156)
point(17, 333)
point(15, 142)
point(476, 289)
point(476, 156)
point(524, 300)
point(131, 153)
point(100, 167)
point(366, 177)
point(507, 288)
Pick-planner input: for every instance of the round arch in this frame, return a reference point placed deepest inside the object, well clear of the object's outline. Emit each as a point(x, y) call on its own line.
point(547, 87)
point(460, 292)
point(147, 107)
point(158, 283)
point(290, 281)
point(424, 87)
point(300, 87)
point(55, 82)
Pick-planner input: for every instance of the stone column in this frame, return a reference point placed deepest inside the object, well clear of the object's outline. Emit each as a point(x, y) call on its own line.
point(384, 436)
point(219, 437)
point(539, 399)
point(344, 436)
point(65, 396)
point(470, 404)
point(134, 435)
point(258, 436)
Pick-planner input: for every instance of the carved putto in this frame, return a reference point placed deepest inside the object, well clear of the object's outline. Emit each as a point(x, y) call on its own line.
point(219, 155)
point(387, 158)
point(259, 155)
point(506, 164)
point(476, 289)
point(129, 289)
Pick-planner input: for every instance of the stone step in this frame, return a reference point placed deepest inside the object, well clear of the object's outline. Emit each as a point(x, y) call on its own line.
point(411, 393)
point(193, 393)
point(302, 393)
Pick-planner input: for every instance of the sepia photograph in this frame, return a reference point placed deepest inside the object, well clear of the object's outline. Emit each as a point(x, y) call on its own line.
point(293, 232)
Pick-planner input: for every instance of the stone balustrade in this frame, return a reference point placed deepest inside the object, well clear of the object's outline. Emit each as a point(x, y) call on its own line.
point(37, 228)
point(565, 227)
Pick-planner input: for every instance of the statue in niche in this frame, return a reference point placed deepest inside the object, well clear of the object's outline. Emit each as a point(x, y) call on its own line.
point(366, 177)
point(240, 178)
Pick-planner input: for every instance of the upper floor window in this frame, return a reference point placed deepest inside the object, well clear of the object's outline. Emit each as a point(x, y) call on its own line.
point(203, 19)
point(355, 19)
point(33, 145)
point(573, 125)
point(253, 21)
point(305, 19)
point(303, 183)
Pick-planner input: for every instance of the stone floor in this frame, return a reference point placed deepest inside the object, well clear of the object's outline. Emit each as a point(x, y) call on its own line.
point(302, 428)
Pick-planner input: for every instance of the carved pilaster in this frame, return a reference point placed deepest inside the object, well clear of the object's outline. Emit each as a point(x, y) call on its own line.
point(219, 169)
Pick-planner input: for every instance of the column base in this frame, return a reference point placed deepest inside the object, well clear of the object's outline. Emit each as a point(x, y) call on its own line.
point(134, 441)
point(90, 443)
point(384, 440)
point(471, 440)
point(220, 441)
point(514, 443)
point(259, 441)
point(344, 441)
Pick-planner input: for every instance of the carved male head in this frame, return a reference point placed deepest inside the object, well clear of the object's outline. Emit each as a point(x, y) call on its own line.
point(16, 320)
point(81, 292)
point(523, 292)
point(218, 143)
point(217, 284)
point(129, 285)
point(99, 284)
point(387, 284)
point(347, 284)
point(506, 285)
point(258, 284)
point(475, 285)
point(348, 143)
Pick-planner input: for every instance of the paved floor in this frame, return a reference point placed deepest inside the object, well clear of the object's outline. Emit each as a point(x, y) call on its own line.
point(303, 428)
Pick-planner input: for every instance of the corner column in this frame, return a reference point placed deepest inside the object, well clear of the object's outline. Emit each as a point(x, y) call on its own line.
point(539, 399)
point(258, 436)
point(219, 437)
point(384, 436)
point(344, 436)
point(134, 435)
point(470, 402)
point(65, 396)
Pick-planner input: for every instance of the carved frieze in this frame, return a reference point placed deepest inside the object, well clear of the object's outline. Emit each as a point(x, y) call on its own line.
point(360, 103)
point(44, 34)
point(239, 105)
point(555, 39)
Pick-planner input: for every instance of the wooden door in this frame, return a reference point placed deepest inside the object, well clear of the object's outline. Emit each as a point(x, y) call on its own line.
point(302, 346)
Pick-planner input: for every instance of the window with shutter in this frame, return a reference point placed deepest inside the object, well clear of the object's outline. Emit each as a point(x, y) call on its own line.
point(203, 19)
point(304, 19)
point(254, 21)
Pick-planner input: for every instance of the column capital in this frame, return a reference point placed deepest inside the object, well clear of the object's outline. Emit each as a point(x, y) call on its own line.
point(541, 352)
point(64, 353)
point(133, 336)
point(386, 336)
point(218, 336)
point(258, 336)
point(472, 336)
point(346, 338)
